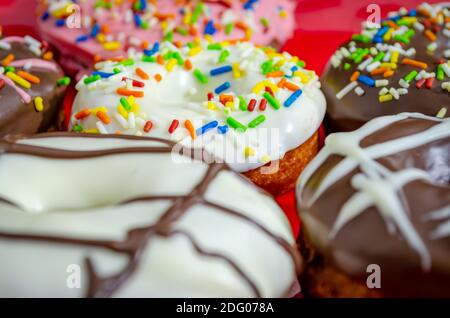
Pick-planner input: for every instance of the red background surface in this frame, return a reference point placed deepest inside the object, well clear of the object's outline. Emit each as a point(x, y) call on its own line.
point(322, 25)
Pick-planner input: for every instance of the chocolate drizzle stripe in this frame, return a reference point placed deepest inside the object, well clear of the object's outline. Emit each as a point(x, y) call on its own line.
point(137, 239)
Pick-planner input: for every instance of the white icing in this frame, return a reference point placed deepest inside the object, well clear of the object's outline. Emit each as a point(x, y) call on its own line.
point(375, 185)
point(443, 230)
point(77, 199)
point(180, 96)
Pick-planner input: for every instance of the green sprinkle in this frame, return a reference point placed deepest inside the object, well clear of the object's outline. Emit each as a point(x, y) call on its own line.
point(223, 56)
point(116, 70)
point(272, 100)
point(128, 62)
point(77, 128)
point(215, 46)
point(361, 38)
point(91, 79)
point(149, 59)
point(229, 28)
point(301, 64)
point(63, 81)
point(242, 103)
point(267, 67)
point(233, 123)
point(257, 121)
point(178, 57)
point(11, 69)
point(197, 11)
point(145, 25)
point(182, 31)
point(125, 104)
point(440, 73)
point(379, 57)
point(401, 38)
point(264, 22)
point(347, 66)
point(412, 75)
point(202, 78)
point(409, 33)
point(169, 36)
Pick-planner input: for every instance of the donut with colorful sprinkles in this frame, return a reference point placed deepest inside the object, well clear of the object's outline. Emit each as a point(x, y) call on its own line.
point(254, 108)
point(31, 86)
point(402, 65)
point(84, 31)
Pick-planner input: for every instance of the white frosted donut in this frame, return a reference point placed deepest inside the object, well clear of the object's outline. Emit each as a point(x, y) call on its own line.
point(135, 222)
point(172, 84)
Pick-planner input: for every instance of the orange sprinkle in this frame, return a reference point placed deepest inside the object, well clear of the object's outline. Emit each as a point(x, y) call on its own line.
point(103, 117)
point(430, 35)
point(160, 59)
point(29, 77)
point(164, 16)
point(392, 24)
point(82, 114)
point(226, 98)
point(105, 29)
point(127, 92)
point(193, 31)
point(48, 55)
point(140, 72)
point(275, 74)
point(282, 82)
point(188, 64)
point(414, 63)
point(388, 73)
point(97, 58)
point(190, 128)
point(354, 76)
point(178, 44)
point(8, 59)
point(241, 25)
point(378, 71)
point(144, 44)
point(291, 86)
point(158, 77)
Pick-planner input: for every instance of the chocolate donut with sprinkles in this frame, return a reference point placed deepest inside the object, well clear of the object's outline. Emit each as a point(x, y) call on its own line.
point(31, 86)
point(254, 108)
point(400, 66)
point(84, 31)
point(174, 225)
point(375, 209)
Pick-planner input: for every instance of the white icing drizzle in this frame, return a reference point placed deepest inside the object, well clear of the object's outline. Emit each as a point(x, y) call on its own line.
point(376, 185)
point(442, 230)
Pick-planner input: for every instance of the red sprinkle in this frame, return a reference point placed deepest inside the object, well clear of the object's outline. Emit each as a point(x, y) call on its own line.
point(420, 83)
point(135, 83)
point(263, 104)
point(82, 114)
point(148, 125)
point(210, 96)
point(429, 83)
point(269, 90)
point(173, 126)
point(2, 83)
point(251, 105)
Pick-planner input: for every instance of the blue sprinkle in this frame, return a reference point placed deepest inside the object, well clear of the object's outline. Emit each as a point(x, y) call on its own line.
point(249, 4)
point(223, 87)
point(137, 20)
point(103, 74)
point(291, 99)
point(82, 38)
point(95, 30)
point(413, 13)
point(377, 39)
point(209, 28)
point(366, 80)
point(222, 129)
point(208, 126)
point(143, 4)
point(221, 70)
point(45, 16)
point(381, 32)
point(60, 22)
point(154, 49)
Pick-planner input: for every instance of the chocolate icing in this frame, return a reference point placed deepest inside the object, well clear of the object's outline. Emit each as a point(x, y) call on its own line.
point(138, 238)
point(352, 111)
point(19, 117)
point(365, 239)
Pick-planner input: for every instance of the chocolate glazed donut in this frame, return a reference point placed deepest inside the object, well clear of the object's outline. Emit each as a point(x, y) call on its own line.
point(352, 111)
point(17, 112)
point(379, 195)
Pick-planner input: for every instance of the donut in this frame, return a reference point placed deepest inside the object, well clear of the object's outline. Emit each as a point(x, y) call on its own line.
point(31, 86)
point(248, 106)
point(150, 222)
point(379, 197)
point(400, 66)
point(110, 28)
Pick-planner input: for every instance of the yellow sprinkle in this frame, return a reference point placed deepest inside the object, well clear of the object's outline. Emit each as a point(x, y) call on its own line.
point(187, 18)
point(164, 25)
point(101, 38)
point(38, 104)
point(441, 113)
point(265, 159)
point(385, 98)
point(236, 70)
point(95, 110)
point(387, 37)
point(392, 66)
point(248, 34)
point(122, 111)
point(225, 43)
point(171, 64)
point(303, 77)
point(111, 46)
point(195, 50)
point(209, 38)
point(63, 11)
point(249, 152)
point(283, 14)
point(211, 106)
point(19, 80)
point(229, 105)
point(394, 57)
point(258, 87)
